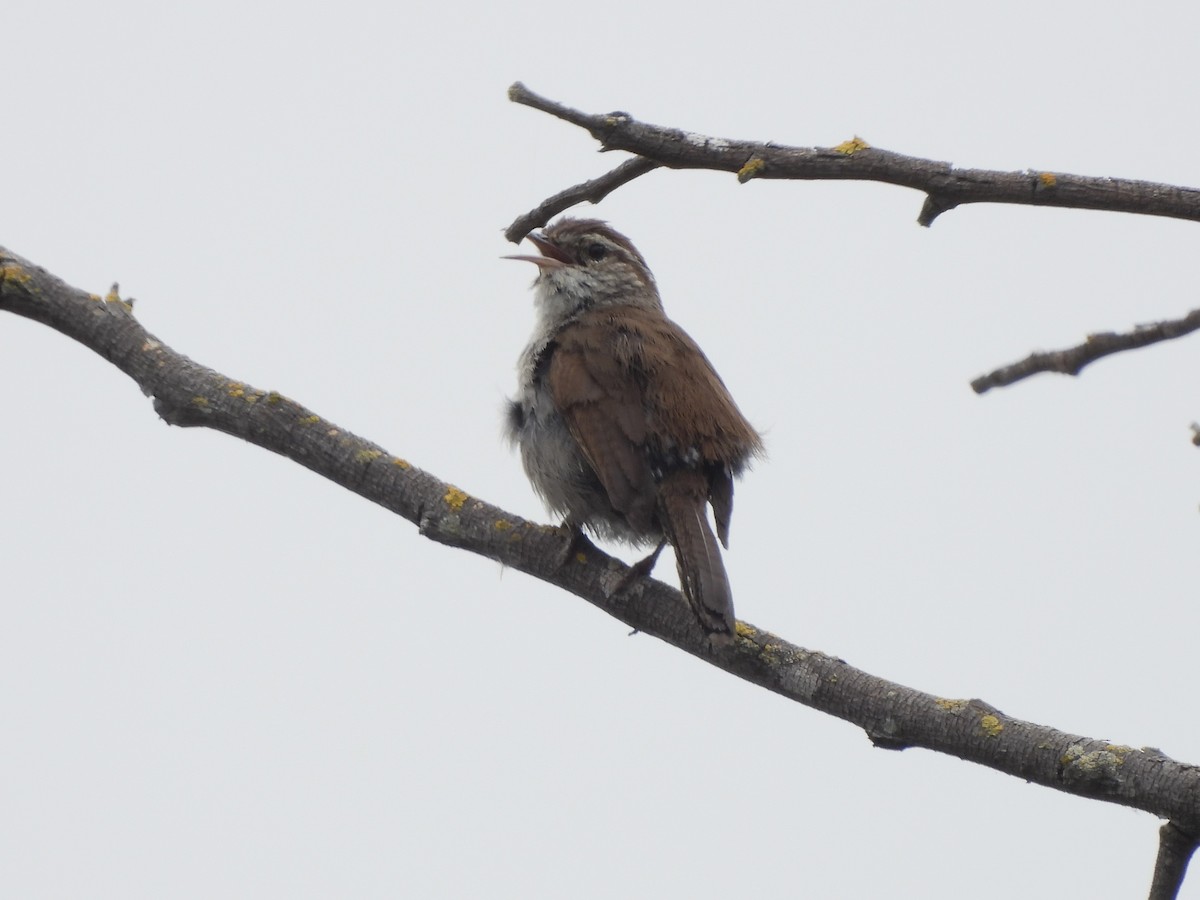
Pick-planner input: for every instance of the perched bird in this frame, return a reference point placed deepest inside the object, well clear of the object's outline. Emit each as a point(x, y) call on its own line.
point(624, 427)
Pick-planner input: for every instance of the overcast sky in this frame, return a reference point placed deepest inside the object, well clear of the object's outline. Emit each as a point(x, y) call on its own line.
point(221, 676)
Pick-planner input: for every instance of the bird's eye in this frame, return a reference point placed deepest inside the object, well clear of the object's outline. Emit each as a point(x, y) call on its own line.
point(597, 251)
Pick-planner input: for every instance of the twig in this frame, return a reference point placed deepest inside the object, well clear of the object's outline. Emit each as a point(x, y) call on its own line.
point(1175, 849)
point(1073, 360)
point(944, 185)
point(593, 191)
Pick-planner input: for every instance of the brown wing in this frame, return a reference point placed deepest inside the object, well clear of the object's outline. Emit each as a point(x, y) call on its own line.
point(636, 392)
point(686, 400)
point(605, 410)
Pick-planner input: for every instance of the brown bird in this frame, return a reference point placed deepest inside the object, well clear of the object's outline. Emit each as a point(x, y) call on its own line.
point(624, 426)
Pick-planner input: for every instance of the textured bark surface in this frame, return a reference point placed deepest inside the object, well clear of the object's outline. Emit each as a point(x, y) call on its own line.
point(945, 186)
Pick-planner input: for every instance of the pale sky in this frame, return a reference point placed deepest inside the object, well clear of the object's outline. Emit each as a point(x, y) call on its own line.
point(221, 676)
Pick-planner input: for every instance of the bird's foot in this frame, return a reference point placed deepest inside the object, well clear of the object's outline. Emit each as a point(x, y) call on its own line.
point(640, 569)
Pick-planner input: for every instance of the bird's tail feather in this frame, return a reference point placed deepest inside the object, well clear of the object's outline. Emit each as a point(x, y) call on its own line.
point(683, 498)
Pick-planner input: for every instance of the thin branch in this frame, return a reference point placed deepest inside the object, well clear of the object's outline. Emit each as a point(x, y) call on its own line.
point(1175, 849)
point(1073, 360)
point(893, 716)
point(944, 185)
point(593, 191)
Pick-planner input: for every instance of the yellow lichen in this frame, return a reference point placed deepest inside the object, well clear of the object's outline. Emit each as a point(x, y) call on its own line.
point(1104, 763)
point(310, 420)
point(236, 389)
point(366, 456)
point(1048, 179)
point(852, 146)
point(10, 271)
point(455, 498)
point(951, 705)
point(502, 525)
point(114, 296)
point(751, 169)
point(199, 401)
point(274, 397)
point(744, 630)
point(991, 725)
point(401, 463)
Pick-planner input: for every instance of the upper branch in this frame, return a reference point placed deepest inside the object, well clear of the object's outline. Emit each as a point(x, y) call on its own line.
point(944, 185)
point(893, 716)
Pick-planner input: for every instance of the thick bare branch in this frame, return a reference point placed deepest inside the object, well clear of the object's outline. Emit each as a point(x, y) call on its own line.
point(893, 716)
point(1072, 360)
point(944, 185)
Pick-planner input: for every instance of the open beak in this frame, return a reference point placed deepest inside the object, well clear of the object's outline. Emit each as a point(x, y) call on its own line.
point(552, 257)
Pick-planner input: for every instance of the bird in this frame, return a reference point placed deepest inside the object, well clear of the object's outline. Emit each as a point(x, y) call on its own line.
point(623, 425)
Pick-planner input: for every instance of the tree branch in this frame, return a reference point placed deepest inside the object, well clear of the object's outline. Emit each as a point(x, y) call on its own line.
point(944, 185)
point(1072, 360)
point(893, 716)
point(593, 191)
point(1175, 849)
